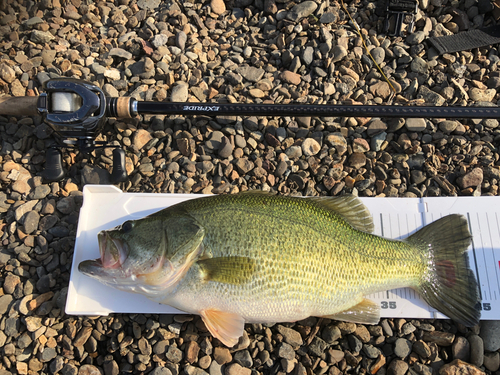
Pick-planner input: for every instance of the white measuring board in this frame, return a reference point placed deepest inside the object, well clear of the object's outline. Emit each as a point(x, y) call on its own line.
point(105, 206)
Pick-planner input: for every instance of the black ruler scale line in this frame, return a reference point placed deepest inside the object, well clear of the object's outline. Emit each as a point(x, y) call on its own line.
point(475, 258)
point(490, 279)
point(484, 258)
point(497, 263)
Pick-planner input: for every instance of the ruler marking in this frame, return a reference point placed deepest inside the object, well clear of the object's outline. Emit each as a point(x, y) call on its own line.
point(492, 293)
point(493, 253)
point(382, 225)
point(484, 255)
point(475, 258)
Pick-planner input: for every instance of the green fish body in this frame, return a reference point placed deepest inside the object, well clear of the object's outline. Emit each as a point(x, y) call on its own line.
point(257, 258)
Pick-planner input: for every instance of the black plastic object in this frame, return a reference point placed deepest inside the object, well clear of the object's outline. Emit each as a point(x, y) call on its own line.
point(398, 9)
point(53, 165)
point(119, 173)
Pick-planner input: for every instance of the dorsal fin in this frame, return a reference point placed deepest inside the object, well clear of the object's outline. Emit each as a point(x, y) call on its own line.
point(350, 208)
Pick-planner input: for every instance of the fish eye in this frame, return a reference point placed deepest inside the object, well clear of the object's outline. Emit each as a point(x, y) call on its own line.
point(127, 226)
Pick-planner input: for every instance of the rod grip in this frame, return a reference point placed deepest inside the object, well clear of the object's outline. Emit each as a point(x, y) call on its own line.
point(18, 105)
point(120, 107)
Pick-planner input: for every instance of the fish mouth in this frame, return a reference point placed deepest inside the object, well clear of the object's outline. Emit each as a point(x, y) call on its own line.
point(113, 251)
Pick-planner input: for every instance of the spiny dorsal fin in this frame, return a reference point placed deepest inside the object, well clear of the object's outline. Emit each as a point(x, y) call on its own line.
point(365, 312)
point(229, 270)
point(350, 208)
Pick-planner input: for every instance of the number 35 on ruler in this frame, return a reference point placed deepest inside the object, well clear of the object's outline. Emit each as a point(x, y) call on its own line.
point(388, 304)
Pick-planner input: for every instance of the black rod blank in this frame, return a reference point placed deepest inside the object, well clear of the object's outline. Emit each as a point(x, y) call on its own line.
point(250, 109)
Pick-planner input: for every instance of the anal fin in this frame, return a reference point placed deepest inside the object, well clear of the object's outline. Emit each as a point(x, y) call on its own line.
point(365, 312)
point(227, 327)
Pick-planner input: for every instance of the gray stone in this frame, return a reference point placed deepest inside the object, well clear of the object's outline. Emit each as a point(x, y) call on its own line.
point(448, 126)
point(476, 350)
point(293, 152)
point(301, 10)
point(286, 351)
point(328, 17)
point(330, 334)
point(461, 349)
point(31, 222)
point(5, 302)
point(397, 367)
point(490, 333)
point(40, 192)
point(180, 40)
point(174, 354)
point(339, 52)
point(371, 351)
point(378, 54)
point(148, 4)
point(244, 358)
point(354, 343)
point(180, 93)
point(377, 141)
point(402, 348)
point(94, 175)
point(415, 38)
point(430, 97)
point(416, 124)
point(310, 147)
point(119, 52)
point(317, 346)
point(492, 361)
point(12, 327)
point(291, 336)
point(419, 65)
point(160, 371)
point(226, 148)
point(308, 55)
point(250, 73)
point(41, 37)
point(160, 40)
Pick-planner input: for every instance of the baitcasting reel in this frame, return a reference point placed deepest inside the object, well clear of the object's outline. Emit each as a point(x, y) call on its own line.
point(76, 112)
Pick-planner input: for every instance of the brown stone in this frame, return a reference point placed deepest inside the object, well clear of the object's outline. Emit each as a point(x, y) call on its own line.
point(218, 6)
point(192, 351)
point(472, 179)
point(82, 336)
point(440, 338)
point(222, 355)
point(458, 367)
point(290, 77)
point(377, 365)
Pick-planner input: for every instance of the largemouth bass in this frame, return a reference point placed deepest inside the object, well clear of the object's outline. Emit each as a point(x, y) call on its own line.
point(257, 258)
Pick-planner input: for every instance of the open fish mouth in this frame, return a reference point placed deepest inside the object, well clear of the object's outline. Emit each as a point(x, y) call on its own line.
point(113, 251)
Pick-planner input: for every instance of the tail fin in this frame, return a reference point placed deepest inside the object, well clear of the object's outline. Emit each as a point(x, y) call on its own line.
point(449, 285)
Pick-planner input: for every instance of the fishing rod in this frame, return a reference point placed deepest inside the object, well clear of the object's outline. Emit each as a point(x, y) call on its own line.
point(77, 110)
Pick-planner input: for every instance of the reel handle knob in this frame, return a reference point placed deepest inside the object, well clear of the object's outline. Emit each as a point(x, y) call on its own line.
point(119, 173)
point(53, 165)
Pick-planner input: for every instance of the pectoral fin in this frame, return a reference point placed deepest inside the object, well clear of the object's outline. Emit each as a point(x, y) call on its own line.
point(365, 312)
point(227, 327)
point(229, 270)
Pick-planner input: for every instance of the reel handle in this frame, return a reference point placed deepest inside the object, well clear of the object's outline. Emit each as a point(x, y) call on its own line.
point(18, 105)
point(119, 173)
point(53, 165)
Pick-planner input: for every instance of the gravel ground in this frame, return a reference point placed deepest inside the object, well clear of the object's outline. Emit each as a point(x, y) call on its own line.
point(235, 51)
